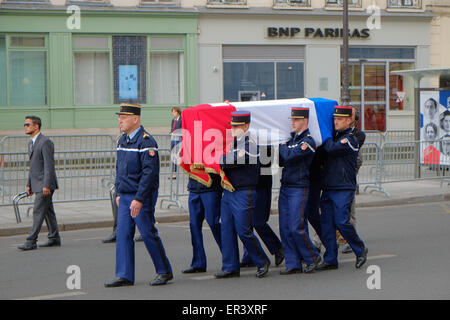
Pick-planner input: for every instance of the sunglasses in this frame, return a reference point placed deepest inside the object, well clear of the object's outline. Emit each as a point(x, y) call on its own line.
point(27, 124)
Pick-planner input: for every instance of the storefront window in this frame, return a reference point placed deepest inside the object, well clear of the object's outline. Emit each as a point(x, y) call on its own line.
point(246, 81)
point(401, 89)
point(373, 90)
point(167, 78)
point(3, 87)
point(92, 74)
point(289, 80)
point(92, 71)
point(129, 69)
point(27, 71)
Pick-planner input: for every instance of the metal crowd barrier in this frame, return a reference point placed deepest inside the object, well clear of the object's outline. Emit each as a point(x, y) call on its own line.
point(89, 174)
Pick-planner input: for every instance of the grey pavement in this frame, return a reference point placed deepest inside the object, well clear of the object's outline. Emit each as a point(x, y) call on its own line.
point(97, 214)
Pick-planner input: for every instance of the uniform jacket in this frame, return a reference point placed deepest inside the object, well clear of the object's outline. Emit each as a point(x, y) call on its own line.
point(340, 162)
point(266, 157)
point(137, 167)
point(241, 163)
point(296, 157)
point(42, 165)
point(361, 137)
point(197, 187)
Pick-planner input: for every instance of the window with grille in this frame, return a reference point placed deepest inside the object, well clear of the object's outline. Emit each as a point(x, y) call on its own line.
point(291, 3)
point(339, 3)
point(227, 2)
point(404, 4)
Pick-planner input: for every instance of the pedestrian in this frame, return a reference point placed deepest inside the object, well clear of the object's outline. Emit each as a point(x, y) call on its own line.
point(204, 203)
point(137, 182)
point(296, 157)
point(241, 166)
point(339, 185)
point(42, 182)
point(361, 137)
point(175, 136)
point(261, 214)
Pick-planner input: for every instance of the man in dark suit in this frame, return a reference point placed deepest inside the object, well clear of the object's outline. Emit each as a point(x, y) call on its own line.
point(42, 182)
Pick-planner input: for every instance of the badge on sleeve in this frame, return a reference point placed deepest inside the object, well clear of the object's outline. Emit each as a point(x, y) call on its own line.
point(303, 147)
point(241, 153)
point(344, 140)
point(151, 152)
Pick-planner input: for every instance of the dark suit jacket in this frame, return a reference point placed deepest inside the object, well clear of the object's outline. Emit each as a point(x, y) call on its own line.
point(177, 135)
point(42, 165)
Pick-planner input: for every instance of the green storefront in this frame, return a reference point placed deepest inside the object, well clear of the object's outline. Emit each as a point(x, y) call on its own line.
point(73, 68)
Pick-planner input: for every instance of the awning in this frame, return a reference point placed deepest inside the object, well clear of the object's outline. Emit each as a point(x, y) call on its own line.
point(418, 74)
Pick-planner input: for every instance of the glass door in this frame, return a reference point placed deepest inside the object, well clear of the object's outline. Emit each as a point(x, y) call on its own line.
point(367, 88)
point(374, 96)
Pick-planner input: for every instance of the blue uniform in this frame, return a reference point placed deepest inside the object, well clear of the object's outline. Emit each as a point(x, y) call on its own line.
point(339, 184)
point(261, 214)
point(315, 190)
point(241, 166)
point(296, 157)
point(204, 203)
point(137, 178)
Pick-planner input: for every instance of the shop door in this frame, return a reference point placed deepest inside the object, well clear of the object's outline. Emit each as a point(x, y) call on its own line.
point(374, 96)
point(368, 94)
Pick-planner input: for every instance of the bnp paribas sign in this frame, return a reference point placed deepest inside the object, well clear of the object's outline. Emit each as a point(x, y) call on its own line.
point(297, 32)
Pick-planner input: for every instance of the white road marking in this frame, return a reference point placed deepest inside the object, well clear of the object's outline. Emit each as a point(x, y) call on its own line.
point(54, 296)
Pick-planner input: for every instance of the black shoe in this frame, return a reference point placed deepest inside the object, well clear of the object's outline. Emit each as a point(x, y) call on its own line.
point(361, 259)
point(261, 272)
point(194, 270)
point(51, 243)
point(161, 279)
point(291, 271)
point(227, 274)
point(110, 239)
point(28, 247)
point(138, 239)
point(247, 265)
point(279, 257)
point(326, 266)
point(119, 282)
point(347, 249)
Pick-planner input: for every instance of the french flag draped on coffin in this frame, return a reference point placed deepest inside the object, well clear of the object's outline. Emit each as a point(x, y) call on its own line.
point(207, 136)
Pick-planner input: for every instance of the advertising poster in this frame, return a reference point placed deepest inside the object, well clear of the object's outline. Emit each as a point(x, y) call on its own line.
point(435, 127)
point(128, 82)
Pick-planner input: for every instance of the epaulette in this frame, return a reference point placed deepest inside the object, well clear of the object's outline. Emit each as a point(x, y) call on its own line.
point(145, 135)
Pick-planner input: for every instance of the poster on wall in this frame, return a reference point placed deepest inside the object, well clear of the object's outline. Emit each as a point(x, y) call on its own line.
point(128, 82)
point(435, 127)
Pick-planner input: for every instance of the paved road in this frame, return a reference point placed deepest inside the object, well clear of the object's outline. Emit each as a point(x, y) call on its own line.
point(408, 243)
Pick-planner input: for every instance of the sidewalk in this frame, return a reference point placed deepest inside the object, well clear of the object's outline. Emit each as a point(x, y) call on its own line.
point(97, 214)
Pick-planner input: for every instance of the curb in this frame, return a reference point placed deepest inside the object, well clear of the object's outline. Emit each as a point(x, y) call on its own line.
point(71, 226)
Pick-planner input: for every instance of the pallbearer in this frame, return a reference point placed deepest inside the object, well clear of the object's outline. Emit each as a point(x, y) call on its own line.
point(339, 185)
point(241, 166)
point(296, 157)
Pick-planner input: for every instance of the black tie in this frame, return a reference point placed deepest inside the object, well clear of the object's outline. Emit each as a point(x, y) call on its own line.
point(128, 139)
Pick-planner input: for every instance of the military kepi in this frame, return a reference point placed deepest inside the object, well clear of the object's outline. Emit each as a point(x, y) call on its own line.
point(299, 113)
point(130, 109)
point(343, 111)
point(239, 118)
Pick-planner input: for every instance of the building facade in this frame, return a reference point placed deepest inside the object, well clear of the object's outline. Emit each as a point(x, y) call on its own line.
point(73, 67)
